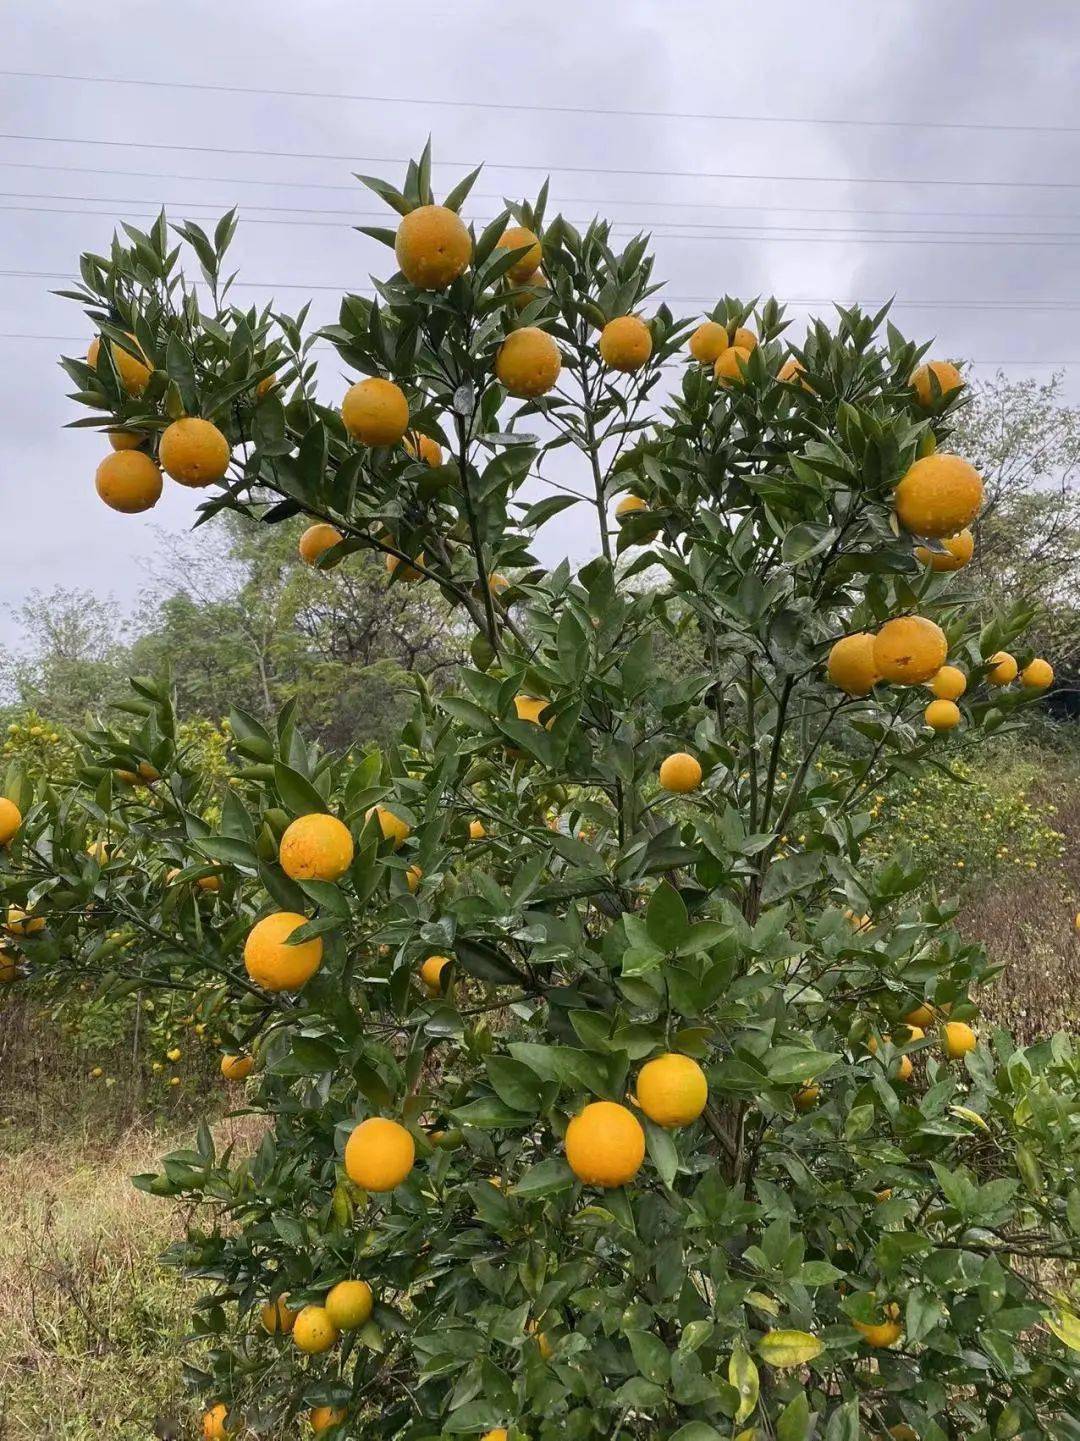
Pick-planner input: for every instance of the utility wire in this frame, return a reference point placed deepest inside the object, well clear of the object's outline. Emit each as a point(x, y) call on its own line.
point(504, 105)
point(952, 182)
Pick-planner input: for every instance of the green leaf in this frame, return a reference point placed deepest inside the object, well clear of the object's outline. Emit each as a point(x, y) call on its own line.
point(514, 1083)
point(545, 1178)
point(794, 1065)
point(793, 1423)
point(662, 1152)
point(489, 1113)
point(743, 1375)
point(650, 1356)
point(666, 919)
point(297, 793)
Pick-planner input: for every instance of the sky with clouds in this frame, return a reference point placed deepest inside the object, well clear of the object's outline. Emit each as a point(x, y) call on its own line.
point(945, 184)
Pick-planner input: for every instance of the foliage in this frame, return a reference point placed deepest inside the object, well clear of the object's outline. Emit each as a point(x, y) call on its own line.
point(599, 921)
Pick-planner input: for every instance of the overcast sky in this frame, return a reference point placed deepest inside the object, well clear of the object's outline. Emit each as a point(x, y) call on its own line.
point(977, 90)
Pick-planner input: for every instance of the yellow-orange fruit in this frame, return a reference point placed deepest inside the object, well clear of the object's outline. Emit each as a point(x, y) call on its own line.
point(851, 665)
point(958, 550)
point(949, 683)
point(1037, 675)
point(476, 831)
point(942, 715)
point(729, 362)
point(909, 650)
point(277, 1317)
point(128, 481)
point(680, 772)
point(920, 1017)
point(209, 883)
point(938, 496)
point(499, 1434)
point(605, 1144)
point(958, 1039)
point(375, 411)
point(215, 1423)
point(792, 372)
point(266, 385)
point(271, 962)
point(236, 1068)
point(413, 876)
point(1004, 669)
point(807, 1097)
point(422, 447)
point(904, 1069)
point(431, 973)
point(672, 1090)
point(392, 827)
point(317, 540)
point(528, 362)
point(349, 1305)
point(9, 967)
point(744, 339)
point(10, 819)
point(530, 708)
point(379, 1154)
point(21, 923)
point(946, 374)
point(881, 1335)
point(316, 847)
point(134, 373)
point(707, 341)
point(626, 343)
point(194, 452)
point(313, 1331)
point(433, 246)
point(125, 439)
point(525, 266)
point(630, 505)
point(323, 1417)
point(402, 570)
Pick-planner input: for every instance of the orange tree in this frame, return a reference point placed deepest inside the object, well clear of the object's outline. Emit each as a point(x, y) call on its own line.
point(606, 1087)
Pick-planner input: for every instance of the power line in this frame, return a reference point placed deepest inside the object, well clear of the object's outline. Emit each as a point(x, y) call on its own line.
point(568, 169)
point(845, 231)
point(566, 200)
point(503, 105)
point(803, 236)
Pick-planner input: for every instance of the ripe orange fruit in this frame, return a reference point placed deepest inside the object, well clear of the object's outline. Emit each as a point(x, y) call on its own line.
point(949, 683)
point(313, 1331)
point(743, 339)
point(407, 572)
point(128, 481)
point(626, 343)
point(543, 1345)
point(1004, 669)
point(938, 496)
point(375, 411)
point(707, 341)
point(530, 708)
point(1037, 675)
point(422, 447)
point(9, 967)
point(881, 1335)
point(605, 1144)
point(851, 665)
point(680, 772)
point(236, 1068)
point(528, 362)
point(525, 267)
point(942, 715)
point(672, 1090)
point(316, 847)
point(10, 820)
point(317, 540)
point(959, 1039)
point(476, 831)
point(379, 1154)
point(194, 452)
point(323, 1417)
point(277, 1318)
point(271, 962)
point(349, 1305)
point(21, 923)
point(134, 373)
point(125, 439)
point(947, 376)
point(729, 362)
point(807, 1097)
point(921, 1017)
point(215, 1423)
point(393, 828)
point(266, 385)
point(413, 876)
point(909, 650)
point(792, 372)
point(499, 1434)
point(905, 1069)
point(433, 247)
point(958, 550)
point(431, 973)
point(630, 505)
point(209, 883)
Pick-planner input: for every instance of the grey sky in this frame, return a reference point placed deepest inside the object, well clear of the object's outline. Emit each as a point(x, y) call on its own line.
point(976, 62)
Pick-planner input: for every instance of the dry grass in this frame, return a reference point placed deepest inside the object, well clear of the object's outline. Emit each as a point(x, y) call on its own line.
point(1027, 923)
